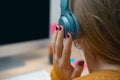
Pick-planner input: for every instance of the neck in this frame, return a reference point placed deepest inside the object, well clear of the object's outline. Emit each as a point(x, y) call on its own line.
point(106, 66)
point(98, 65)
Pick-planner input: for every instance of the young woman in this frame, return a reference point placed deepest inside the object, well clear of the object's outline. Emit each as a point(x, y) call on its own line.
point(100, 42)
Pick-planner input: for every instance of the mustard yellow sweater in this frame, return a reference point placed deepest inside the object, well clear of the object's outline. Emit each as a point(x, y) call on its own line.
point(56, 74)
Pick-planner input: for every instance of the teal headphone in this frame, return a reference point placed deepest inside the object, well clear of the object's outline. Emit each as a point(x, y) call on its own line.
point(69, 21)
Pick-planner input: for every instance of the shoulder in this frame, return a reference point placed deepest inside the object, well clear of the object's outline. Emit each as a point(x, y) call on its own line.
point(102, 75)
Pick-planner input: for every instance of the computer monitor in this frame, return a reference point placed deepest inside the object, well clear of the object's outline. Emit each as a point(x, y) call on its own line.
point(24, 26)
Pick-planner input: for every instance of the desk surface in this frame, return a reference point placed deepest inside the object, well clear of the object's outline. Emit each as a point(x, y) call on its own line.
point(36, 60)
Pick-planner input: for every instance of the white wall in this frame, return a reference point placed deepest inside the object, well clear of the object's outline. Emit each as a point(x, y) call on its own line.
point(54, 10)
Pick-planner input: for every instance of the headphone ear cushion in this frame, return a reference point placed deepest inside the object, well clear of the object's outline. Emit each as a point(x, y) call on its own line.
point(76, 26)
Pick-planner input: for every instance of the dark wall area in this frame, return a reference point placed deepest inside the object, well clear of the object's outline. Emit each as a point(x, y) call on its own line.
point(24, 20)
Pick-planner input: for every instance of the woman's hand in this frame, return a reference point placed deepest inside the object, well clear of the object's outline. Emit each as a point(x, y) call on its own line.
point(62, 53)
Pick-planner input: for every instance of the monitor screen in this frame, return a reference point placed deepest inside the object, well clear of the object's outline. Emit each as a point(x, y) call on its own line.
point(24, 26)
point(23, 21)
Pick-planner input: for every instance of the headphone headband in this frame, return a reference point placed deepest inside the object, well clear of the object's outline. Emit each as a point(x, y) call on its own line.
point(64, 6)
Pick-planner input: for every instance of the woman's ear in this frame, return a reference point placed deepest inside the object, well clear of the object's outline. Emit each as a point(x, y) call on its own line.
point(78, 43)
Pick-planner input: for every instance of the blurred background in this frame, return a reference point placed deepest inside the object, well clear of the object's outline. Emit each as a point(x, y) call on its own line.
point(25, 39)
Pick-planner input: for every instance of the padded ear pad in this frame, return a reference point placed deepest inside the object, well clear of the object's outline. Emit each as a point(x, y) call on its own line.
point(69, 22)
point(77, 27)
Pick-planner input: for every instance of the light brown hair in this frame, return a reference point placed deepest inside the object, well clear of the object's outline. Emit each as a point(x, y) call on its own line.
point(100, 24)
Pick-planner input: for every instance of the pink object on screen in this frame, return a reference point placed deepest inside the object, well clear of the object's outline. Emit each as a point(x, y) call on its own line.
point(53, 27)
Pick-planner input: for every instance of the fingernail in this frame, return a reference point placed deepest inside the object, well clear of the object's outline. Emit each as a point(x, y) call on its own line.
point(67, 35)
point(60, 28)
point(81, 63)
point(57, 27)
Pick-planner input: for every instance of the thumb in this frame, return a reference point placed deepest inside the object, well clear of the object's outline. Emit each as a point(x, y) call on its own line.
point(78, 69)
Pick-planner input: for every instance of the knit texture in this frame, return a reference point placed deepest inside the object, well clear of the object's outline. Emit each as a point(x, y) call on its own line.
point(56, 74)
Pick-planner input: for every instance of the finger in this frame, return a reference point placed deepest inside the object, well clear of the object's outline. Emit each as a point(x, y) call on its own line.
point(59, 42)
point(67, 48)
point(54, 38)
point(78, 69)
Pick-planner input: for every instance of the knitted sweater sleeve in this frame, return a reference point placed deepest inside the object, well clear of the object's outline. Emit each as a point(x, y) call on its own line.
point(56, 74)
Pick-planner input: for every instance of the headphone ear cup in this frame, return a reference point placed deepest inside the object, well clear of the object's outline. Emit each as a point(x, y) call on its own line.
point(63, 21)
point(69, 21)
point(71, 25)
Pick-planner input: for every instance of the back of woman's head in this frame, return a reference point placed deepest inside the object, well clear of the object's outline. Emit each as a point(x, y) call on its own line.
point(100, 24)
